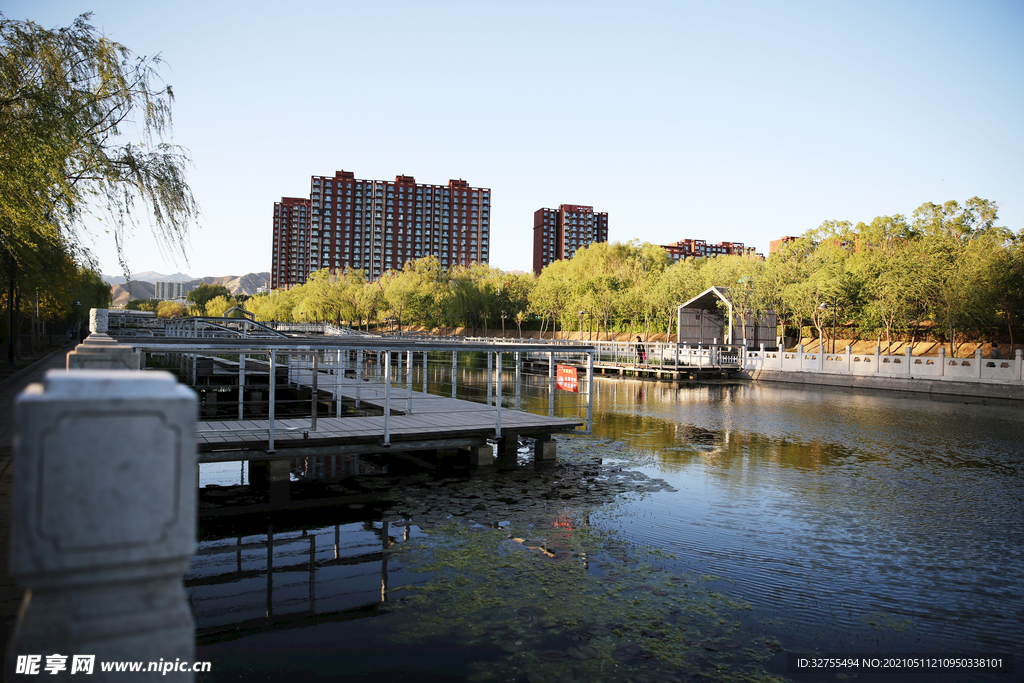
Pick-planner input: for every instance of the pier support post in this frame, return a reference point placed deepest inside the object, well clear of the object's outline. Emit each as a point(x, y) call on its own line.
point(480, 456)
point(103, 518)
point(544, 449)
point(279, 480)
point(508, 449)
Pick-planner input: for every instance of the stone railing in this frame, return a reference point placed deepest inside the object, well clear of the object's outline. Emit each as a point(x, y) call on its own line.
point(972, 369)
point(103, 516)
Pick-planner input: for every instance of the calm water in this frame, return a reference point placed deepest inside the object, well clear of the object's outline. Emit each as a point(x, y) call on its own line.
point(725, 526)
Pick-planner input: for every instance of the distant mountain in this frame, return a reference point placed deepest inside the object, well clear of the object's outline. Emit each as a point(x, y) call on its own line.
point(148, 276)
point(141, 289)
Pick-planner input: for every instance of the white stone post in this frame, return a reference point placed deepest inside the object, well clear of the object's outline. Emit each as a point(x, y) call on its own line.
point(1018, 358)
point(908, 358)
point(849, 361)
point(977, 361)
point(99, 351)
point(103, 518)
point(800, 356)
point(942, 361)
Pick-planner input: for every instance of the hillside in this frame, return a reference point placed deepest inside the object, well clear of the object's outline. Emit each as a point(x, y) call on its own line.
point(141, 289)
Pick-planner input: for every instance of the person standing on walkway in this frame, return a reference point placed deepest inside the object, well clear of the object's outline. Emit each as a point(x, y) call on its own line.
point(641, 352)
point(995, 355)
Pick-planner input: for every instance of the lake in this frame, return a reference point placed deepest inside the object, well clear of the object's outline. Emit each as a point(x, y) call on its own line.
point(705, 531)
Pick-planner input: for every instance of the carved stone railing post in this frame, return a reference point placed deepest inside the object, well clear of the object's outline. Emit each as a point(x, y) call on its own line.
point(99, 351)
point(103, 512)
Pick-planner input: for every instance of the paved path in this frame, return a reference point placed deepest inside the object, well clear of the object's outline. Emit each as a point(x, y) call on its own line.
point(10, 595)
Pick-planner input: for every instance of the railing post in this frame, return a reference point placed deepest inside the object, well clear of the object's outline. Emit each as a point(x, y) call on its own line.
point(497, 428)
point(424, 372)
point(490, 375)
point(408, 377)
point(519, 375)
point(241, 386)
point(455, 370)
point(590, 391)
point(551, 383)
point(316, 376)
point(359, 375)
point(942, 361)
point(104, 519)
point(273, 395)
point(387, 398)
point(339, 372)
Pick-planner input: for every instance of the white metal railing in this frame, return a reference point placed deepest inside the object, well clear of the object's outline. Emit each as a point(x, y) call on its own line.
point(381, 375)
point(975, 368)
point(214, 328)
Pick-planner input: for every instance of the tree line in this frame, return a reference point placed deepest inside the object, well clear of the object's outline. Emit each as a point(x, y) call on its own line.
point(947, 273)
point(83, 123)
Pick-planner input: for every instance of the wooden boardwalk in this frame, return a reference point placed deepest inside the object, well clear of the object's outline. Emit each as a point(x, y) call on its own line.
point(433, 422)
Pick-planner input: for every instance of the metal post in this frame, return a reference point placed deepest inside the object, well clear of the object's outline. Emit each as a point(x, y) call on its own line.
point(590, 391)
point(424, 372)
point(387, 398)
point(316, 375)
point(490, 376)
point(408, 378)
point(551, 383)
point(455, 370)
point(241, 386)
point(273, 395)
point(497, 427)
point(339, 372)
point(519, 374)
point(359, 374)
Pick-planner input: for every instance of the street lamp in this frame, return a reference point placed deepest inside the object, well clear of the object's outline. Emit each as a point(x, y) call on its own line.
point(835, 306)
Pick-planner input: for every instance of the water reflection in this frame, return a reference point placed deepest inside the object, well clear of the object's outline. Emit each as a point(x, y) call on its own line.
point(802, 520)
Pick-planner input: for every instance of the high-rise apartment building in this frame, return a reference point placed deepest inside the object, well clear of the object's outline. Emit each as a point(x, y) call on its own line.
point(560, 233)
point(290, 262)
point(691, 248)
point(379, 225)
point(166, 289)
point(775, 245)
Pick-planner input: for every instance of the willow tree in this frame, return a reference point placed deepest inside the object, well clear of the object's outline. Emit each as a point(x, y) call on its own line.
point(83, 129)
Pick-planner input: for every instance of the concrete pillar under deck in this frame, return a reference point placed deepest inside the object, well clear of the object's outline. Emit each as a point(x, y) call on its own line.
point(544, 450)
point(508, 449)
point(273, 476)
point(480, 456)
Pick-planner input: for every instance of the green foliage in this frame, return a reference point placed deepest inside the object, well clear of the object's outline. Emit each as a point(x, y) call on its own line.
point(219, 305)
point(143, 305)
point(950, 271)
point(82, 126)
point(199, 296)
point(170, 309)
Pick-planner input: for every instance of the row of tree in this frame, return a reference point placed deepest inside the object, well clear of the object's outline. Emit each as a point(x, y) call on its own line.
point(949, 273)
point(82, 128)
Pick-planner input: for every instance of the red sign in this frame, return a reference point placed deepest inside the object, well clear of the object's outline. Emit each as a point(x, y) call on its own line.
point(567, 379)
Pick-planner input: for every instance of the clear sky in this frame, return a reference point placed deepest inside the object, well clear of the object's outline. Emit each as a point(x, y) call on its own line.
point(738, 121)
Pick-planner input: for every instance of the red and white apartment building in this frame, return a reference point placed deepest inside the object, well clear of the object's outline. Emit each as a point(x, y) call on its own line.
point(377, 225)
point(559, 233)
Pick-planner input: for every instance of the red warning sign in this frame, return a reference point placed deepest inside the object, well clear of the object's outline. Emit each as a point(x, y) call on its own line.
point(567, 378)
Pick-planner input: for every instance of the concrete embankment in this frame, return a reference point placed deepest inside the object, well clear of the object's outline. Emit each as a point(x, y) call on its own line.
point(921, 386)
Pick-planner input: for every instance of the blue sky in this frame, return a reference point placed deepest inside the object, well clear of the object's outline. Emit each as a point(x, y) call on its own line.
point(738, 121)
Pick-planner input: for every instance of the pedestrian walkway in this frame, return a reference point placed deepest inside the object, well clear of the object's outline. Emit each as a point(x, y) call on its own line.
point(10, 595)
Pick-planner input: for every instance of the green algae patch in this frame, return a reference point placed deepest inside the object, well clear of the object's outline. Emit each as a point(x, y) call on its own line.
point(527, 579)
point(882, 621)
